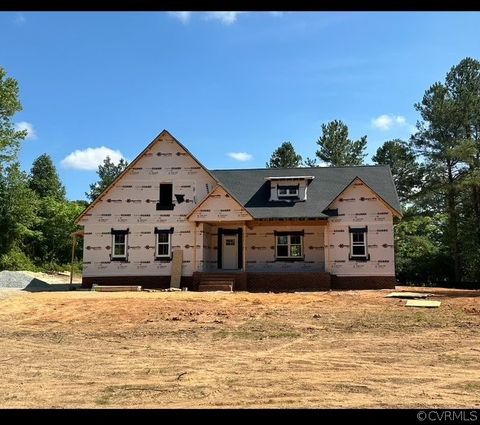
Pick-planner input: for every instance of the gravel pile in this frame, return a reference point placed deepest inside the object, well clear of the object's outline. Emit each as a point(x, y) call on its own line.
point(20, 280)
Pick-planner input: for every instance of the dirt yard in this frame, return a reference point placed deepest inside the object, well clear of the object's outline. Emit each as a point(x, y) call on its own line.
point(54, 278)
point(185, 349)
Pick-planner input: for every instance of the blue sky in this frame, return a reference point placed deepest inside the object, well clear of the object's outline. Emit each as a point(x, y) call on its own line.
point(221, 83)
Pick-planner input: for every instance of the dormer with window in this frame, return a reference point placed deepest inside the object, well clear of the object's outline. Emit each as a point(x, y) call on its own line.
point(289, 188)
point(287, 191)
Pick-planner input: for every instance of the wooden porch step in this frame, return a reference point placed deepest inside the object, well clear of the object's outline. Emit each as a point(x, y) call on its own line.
point(218, 275)
point(217, 278)
point(215, 285)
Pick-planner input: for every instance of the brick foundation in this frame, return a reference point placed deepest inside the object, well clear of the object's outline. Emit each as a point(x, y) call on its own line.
point(363, 282)
point(258, 282)
point(148, 282)
point(288, 281)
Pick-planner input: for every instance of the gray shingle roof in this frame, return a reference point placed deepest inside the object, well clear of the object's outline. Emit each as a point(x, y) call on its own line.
point(253, 191)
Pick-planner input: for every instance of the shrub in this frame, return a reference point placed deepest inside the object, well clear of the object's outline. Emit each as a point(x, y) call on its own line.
point(15, 259)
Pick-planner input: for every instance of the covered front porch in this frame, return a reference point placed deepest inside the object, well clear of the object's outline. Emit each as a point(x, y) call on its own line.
point(222, 261)
point(230, 245)
point(245, 254)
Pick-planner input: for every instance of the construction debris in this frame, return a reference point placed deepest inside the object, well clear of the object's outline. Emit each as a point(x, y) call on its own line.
point(165, 290)
point(19, 280)
point(176, 270)
point(28, 281)
point(122, 288)
point(407, 295)
point(421, 303)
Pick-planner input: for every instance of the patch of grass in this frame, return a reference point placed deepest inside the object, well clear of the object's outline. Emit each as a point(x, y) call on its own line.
point(399, 381)
point(467, 386)
point(351, 388)
point(286, 334)
point(240, 334)
point(259, 330)
point(457, 359)
point(396, 319)
point(102, 401)
point(471, 386)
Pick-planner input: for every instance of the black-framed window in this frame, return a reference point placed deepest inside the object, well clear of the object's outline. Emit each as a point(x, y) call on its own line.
point(165, 197)
point(289, 246)
point(358, 243)
point(119, 244)
point(163, 243)
point(287, 191)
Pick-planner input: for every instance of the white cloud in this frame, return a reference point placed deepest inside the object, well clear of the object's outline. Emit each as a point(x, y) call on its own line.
point(386, 122)
point(184, 17)
point(20, 19)
point(89, 159)
point(240, 156)
point(24, 125)
point(226, 18)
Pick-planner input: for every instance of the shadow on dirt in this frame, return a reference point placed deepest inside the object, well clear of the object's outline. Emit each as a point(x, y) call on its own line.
point(442, 291)
point(37, 285)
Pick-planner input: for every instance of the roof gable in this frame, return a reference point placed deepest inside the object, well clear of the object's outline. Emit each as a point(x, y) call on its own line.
point(219, 205)
point(358, 181)
point(163, 137)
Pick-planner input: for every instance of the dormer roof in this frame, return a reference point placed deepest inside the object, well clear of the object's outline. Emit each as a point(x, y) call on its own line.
point(251, 187)
point(289, 178)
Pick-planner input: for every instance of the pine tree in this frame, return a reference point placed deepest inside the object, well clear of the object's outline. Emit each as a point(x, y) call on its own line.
point(406, 172)
point(284, 157)
point(439, 140)
point(310, 162)
point(44, 179)
point(9, 104)
point(107, 173)
point(336, 149)
point(18, 209)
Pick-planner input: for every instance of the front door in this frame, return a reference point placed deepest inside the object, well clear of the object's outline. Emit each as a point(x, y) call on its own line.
point(229, 252)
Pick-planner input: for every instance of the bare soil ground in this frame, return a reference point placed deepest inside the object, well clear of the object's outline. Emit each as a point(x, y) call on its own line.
point(185, 349)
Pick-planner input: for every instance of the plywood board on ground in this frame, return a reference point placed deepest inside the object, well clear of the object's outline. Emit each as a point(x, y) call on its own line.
point(422, 303)
point(407, 295)
point(176, 276)
point(122, 288)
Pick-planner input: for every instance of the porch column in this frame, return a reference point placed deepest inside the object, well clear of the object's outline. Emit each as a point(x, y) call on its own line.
point(195, 247)
point(244, 246)
point(326, 248)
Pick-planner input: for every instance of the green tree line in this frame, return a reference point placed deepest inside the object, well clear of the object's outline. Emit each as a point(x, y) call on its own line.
point(437, 176)
point(36, 219)
point(436, 172)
